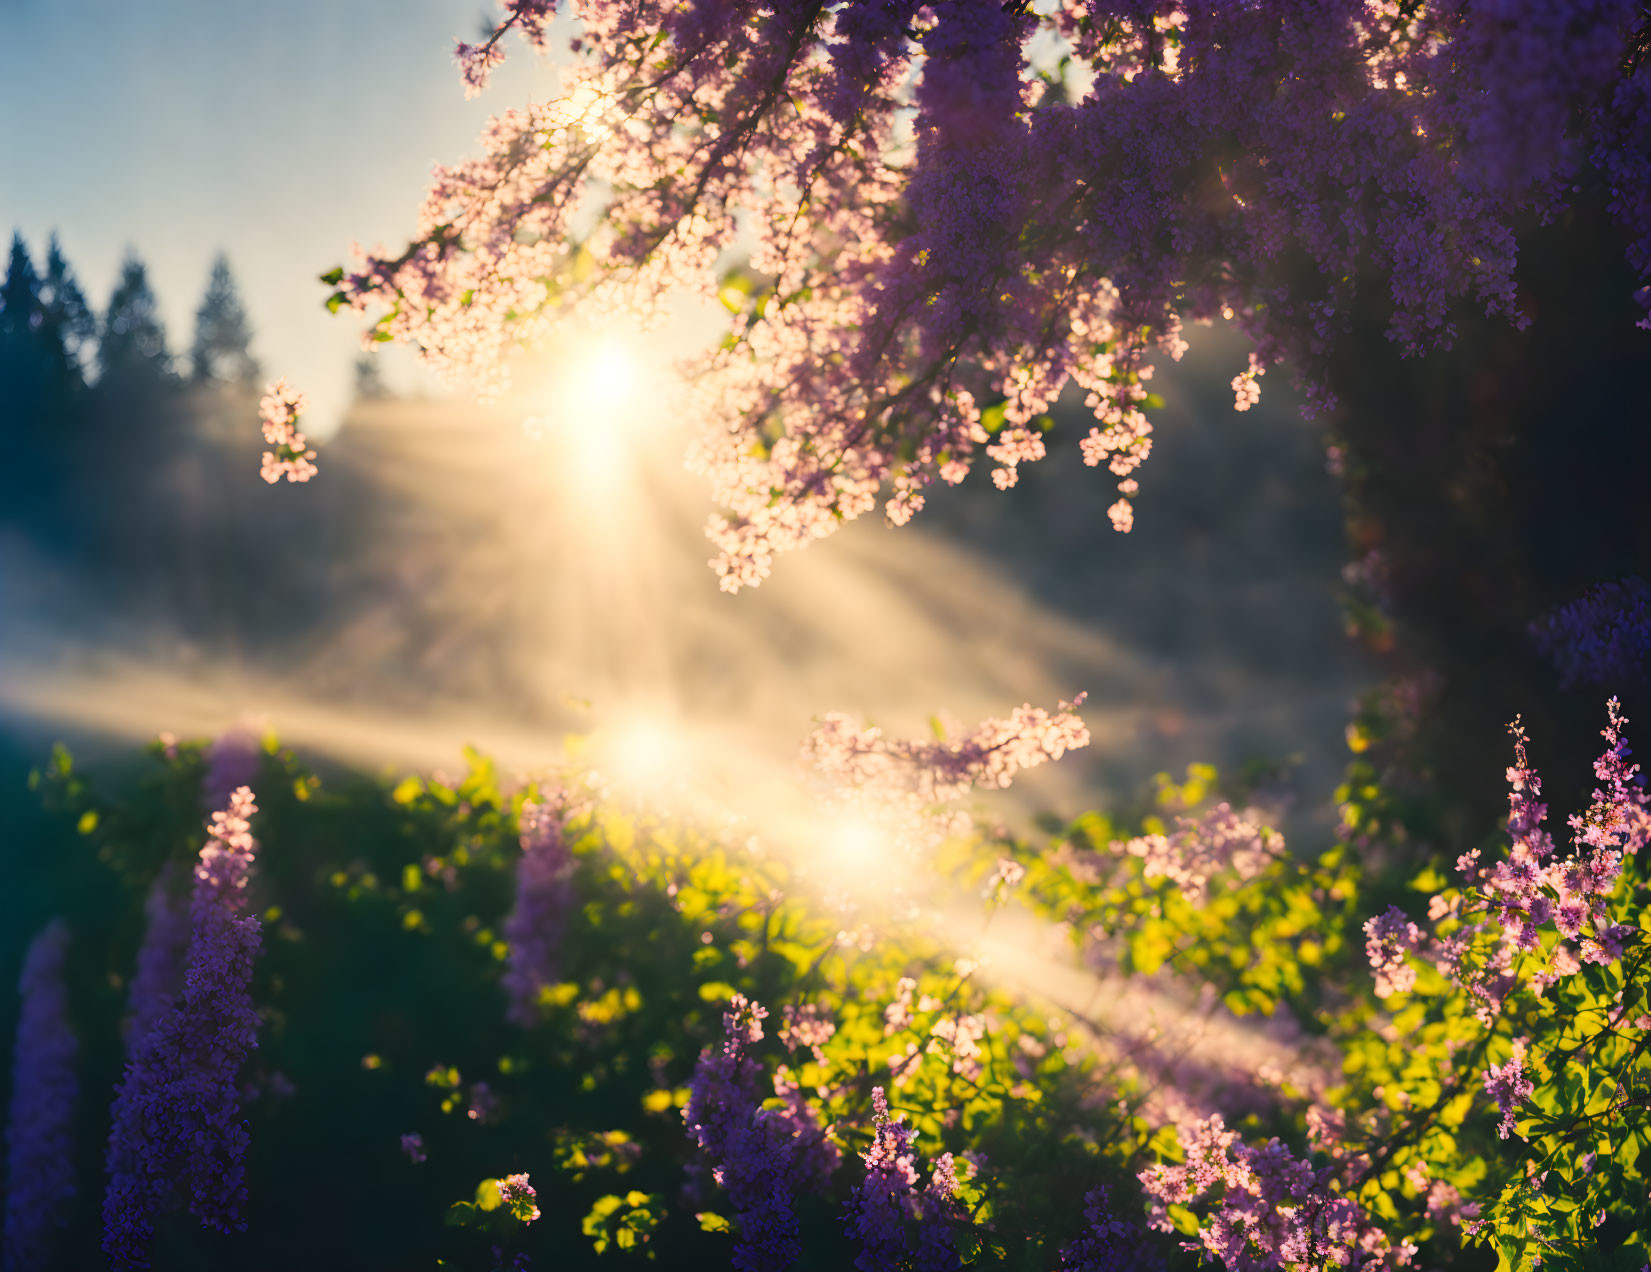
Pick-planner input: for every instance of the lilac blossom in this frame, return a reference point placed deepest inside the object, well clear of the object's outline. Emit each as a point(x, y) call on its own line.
point(1445, 1204)
point(1219, 840)
point(534, 928)
point(1514, 902)
point(909, 789)
point(476, 63)
point(1499, 942)
point(519, 1195)
point(807, 1026)
point(1390, 937)
point(176, 1113)
point(412, 1143)
point(955, 229)
point(960, 1035)
point(40, 1158)
point(934, 772)
point(1273, 1211)
point(880, 1209)
point(1108, 1244)
point(814, 1158)
point(898, 1014)
point(1531, 889)
point(293, 456)
point(233, 759)
point(160, 963)
point(1510, 1086)
point(761, 1156)
point(1603, 637)
point(940, 1210)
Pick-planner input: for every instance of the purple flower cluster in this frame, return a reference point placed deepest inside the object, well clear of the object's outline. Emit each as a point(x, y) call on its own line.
point(1510, 1086)
point(886, 1211)
point(988, 756)
point(176, 1112)
point(520, 1196)
point(936, 1247)
point(807, 1026)
point(159, 974)
point(1109, 1244)
point(1389, 938)
point(1603, 637)
point(880, 1209)
point(762, 1157)
point(1274, 1212)
point(1532, 890)
point(904, 786)
point(232, 761)
point(533, 929)
point(40, 1173)
point(1622, 152)
point(476, 61)
point(1218, 840)
point(957, 225)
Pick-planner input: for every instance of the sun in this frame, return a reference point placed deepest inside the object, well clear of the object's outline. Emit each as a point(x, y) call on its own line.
point(601, 407)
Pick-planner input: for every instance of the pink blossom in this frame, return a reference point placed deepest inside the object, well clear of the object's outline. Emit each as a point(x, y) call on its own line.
point(518, 1194)
point(1510, 1086)
point(1390, 937)
point(293, 456)
point(1273, 1211)
point(944, 237)
point(906, 786)
point(1206, 845)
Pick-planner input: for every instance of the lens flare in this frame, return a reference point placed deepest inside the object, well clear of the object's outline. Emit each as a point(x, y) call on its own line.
point(602, 406)
point(645, 753)
point(855, 847)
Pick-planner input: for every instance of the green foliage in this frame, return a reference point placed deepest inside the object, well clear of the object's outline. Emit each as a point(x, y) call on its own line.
point(627, 1222)
point(384, 905)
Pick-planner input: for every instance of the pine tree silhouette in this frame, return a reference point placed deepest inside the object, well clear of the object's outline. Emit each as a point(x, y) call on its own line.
point(20, 310)
point(23, 360)
point(222, 351)
point(39, 384)
point(70, 325)
point(132, 347)
point(369, 383)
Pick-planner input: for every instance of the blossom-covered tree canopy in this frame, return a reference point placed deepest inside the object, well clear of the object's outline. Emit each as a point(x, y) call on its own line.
point(953, 208)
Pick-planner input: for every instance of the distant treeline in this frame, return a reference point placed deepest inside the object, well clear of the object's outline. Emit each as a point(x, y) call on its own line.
point(70, 376)
point(133, 469)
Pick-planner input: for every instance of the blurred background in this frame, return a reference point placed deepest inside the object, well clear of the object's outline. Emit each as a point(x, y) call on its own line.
point(505, 576)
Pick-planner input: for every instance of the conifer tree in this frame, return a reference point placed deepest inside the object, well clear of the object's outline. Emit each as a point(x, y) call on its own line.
point(20, 310)
point(70, 325)
point(132, 345)
point(22, 349)
point(37, 383)
point(222, 351)
point(369, 382)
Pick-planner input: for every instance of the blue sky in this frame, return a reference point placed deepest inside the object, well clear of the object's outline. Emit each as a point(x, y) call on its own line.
point(277, 132)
